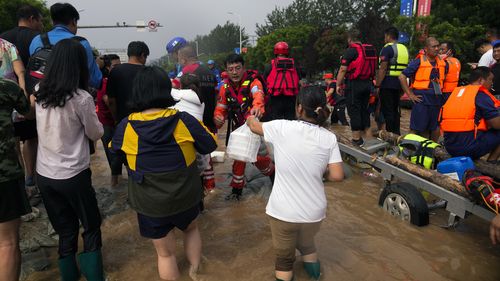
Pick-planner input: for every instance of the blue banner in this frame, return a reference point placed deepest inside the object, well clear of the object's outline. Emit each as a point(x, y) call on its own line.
point(403, 37)
point(406, 8)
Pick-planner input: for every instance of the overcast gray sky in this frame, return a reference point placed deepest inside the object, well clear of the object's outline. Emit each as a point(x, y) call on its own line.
point(186, 18)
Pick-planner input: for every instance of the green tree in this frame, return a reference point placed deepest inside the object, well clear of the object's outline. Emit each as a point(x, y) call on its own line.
point(223, 38)
point(8, 12)
point(301, 40)
point(330, 44)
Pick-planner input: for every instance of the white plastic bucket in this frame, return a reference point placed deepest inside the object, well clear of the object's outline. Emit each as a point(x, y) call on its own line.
point(243, 145)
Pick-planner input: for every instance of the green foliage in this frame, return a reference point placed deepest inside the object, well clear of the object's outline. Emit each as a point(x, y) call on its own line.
point(221, 39)
point(8, 12)
point(300, 38)
point(330, 44)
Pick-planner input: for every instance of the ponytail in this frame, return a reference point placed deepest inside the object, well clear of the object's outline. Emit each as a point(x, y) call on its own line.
point(313, 101)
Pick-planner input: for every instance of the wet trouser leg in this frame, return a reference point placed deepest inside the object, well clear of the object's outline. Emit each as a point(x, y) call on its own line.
point(287, 237)
point(339, 112)
point(238, 180)
point(208, 177)
point(389, 106)
point(67, 202)
point(114, 159)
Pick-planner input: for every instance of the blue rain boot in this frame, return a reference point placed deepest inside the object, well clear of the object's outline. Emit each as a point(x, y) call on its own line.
point(91, 265)
point(313, 269)
point(68, 269)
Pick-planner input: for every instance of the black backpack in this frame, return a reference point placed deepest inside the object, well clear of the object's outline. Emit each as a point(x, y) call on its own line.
point(38, 62)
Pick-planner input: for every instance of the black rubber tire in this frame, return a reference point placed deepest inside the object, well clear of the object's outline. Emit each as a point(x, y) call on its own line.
point(419, 212)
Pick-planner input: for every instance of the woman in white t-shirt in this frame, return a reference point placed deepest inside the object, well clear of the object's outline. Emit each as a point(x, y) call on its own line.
point(304, 153)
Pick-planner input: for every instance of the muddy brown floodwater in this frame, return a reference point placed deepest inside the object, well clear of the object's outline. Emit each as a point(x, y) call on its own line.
point(357, 240)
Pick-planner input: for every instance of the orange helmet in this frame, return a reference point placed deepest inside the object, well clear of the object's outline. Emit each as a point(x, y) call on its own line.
point(281, 48)
point(328, 76)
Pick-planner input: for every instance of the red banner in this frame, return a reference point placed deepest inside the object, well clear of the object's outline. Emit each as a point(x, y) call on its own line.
point(424, 8)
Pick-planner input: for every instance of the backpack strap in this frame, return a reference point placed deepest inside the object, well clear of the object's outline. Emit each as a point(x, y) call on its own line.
point(79, 38)
point(45, 40)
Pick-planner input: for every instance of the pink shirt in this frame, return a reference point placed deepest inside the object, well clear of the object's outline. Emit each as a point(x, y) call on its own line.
point(63, 136)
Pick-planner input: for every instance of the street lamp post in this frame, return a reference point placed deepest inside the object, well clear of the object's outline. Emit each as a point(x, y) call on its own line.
point(239, 23)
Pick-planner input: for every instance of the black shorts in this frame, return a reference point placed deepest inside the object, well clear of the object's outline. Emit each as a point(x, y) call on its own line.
point(13, 200)
point(25, 130)
point(156, 228)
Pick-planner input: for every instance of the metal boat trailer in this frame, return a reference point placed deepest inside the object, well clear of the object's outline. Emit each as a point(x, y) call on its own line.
point(402, 198)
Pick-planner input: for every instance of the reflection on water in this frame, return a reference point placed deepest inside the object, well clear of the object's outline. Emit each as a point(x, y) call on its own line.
point(357, 241)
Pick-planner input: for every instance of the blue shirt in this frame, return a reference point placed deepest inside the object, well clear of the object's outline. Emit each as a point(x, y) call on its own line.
point(428, 96)
point(60, 32)
point(485, 108)
point(389, 82)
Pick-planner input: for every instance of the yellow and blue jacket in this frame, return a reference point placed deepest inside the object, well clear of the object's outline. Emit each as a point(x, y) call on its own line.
point(160, 150)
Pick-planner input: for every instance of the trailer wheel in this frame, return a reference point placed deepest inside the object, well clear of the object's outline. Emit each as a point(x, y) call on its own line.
point(404, 201)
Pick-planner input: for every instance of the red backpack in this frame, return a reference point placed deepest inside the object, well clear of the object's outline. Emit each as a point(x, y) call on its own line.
point(363, 67)
point(283, 79)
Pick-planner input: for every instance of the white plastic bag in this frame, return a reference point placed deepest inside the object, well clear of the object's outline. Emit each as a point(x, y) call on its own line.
point(243, 145)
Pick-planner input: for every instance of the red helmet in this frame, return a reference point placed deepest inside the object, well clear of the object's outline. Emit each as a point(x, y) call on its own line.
point(281, 48)
point(328, 76)
point(224, 75)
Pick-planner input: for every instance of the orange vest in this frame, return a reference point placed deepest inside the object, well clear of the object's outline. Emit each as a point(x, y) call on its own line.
point(457, 114)
point(451, 79)
point(423, 75)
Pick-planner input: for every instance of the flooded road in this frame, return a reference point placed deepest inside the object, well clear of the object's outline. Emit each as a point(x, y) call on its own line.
point(357, 240)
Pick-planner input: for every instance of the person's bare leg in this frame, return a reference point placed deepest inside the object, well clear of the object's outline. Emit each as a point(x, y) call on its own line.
point(356, 135)
point(494, 155)
point(10, 255)
point(192, 246)
point(167, 262)
point(29, 155)
point(284, 275)
point(19, 153)
point(310, 258)
point(114, 180)
point(435, 135)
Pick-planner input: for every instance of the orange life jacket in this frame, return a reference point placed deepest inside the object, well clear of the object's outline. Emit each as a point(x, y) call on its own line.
point(451, 79)
point(423, 75)
point(457, 114)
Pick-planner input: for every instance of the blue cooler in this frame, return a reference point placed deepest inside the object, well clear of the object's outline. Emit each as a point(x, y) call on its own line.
point(455, 167)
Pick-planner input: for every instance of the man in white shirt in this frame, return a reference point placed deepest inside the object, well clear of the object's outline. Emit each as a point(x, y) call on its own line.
point(484, 48)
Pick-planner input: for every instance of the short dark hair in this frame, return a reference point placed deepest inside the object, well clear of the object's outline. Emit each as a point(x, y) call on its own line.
point(479, 72)
point(480, 42)
point(137, 48)
point(450, 45)
point(313, 101)
point(392, 32)
point(493, 31)
point(111, 57)
point(354, 34)
point(191, 81)
point(26, 11)
point(234, 58)
point(66, 72)
point(63, 13)
point(151, 89)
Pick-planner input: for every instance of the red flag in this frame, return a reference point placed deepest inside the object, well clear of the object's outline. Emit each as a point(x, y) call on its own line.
point(424, 8)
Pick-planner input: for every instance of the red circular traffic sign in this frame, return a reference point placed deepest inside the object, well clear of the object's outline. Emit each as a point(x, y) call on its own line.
point(152, 24)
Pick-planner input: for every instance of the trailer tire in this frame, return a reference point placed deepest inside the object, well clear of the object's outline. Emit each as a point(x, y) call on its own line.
point(403, 200)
